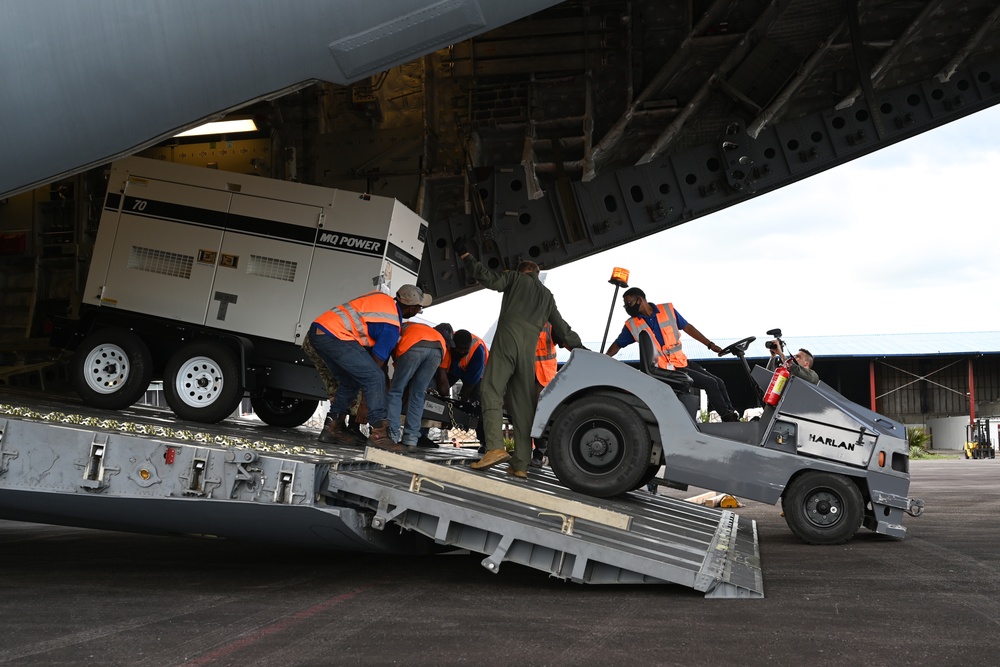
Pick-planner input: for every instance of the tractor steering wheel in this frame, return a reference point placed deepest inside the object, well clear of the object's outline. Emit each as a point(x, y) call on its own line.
point(738, 348)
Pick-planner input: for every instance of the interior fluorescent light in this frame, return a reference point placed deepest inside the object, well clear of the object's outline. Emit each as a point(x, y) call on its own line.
point(221, 127)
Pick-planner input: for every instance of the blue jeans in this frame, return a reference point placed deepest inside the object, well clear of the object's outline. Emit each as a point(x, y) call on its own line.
point(354, 369)
point(415, 367)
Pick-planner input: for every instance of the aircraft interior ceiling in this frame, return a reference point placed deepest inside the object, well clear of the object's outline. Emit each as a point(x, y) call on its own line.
point(540, 130)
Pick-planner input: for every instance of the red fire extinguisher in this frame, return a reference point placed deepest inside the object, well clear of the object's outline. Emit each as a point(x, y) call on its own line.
point(777, 385)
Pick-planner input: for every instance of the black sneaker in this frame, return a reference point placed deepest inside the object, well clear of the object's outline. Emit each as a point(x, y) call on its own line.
point(426, 442)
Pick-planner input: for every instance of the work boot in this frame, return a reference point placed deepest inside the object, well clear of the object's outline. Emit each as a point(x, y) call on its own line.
point(334, 431)
point(490, 459)
point(353, 430)
point(517, 474)
point(379, 437)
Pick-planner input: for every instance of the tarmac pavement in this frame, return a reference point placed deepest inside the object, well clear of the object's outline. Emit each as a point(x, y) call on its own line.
point(71, 596)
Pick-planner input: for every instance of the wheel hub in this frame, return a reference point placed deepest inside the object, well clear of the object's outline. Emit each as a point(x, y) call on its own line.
point(199, 382)
point(598, 447)
point(108, 369)
point(823, 509)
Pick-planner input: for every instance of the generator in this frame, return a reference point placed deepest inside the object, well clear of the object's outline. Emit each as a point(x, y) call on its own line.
point(209, 281)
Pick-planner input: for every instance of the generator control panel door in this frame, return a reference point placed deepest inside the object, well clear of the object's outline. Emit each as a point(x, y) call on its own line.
point(263, 267)
point(154, 267)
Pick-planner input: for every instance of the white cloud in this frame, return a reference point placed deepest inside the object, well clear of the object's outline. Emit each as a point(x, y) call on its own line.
point(901, 241)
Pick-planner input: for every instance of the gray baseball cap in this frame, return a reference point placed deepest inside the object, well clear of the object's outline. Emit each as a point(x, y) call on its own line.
point(411, 295)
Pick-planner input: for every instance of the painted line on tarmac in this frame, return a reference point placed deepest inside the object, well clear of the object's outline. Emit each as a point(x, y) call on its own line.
point(268, 630)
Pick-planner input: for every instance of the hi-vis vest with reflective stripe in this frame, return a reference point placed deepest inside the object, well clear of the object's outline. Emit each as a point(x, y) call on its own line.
point(415, 332)
point(669, 356)
point(349, 321)
point(476, 342)
point(545, 356)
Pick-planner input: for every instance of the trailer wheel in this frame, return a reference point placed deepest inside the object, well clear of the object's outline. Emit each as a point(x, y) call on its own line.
point(823, 508)
point(112, 368)
point(277, 410)
point(600, 446)
point(201, 382)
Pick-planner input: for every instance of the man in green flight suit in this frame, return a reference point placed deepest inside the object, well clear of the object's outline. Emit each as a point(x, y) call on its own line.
point(526, 306)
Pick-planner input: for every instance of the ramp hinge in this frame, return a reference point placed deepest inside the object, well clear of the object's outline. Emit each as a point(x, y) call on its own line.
point(383, 516)
point(240, 458)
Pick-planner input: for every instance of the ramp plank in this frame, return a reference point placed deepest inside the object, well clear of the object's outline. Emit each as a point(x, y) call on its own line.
point(479, 482)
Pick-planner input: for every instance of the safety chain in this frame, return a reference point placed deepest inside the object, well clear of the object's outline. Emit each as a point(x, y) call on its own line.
point(454, 422)
point(158, 431)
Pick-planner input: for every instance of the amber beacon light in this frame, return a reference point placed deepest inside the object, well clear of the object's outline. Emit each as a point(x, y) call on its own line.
point(619, 278)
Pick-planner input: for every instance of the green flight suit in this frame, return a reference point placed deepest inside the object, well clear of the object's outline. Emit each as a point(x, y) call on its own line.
point(526, 306)
point(807, 374)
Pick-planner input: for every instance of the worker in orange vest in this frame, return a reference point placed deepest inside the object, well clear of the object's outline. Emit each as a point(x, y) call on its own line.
point(419, 359)
point(664, 323)
point(469, 358)
point(545, 370)
point(545, 358)
point(354, 340)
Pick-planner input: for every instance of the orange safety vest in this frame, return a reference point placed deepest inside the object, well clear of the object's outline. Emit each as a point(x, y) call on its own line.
point(669, 356)
point(476, 342)
point(545, 356)
point(415, 332)
point(349, 321)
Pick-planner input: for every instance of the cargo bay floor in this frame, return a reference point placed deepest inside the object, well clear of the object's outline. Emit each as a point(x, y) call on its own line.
point(77, 596)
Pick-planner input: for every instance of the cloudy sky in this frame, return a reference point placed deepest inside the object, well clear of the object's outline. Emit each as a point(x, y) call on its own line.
point(901, 241)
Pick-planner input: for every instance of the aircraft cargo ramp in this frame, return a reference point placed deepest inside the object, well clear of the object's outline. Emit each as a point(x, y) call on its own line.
point(61, 463)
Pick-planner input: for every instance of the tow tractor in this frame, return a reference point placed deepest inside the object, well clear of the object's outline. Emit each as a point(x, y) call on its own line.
point(832, 463)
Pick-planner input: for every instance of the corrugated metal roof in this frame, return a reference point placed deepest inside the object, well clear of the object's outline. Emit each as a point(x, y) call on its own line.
point(865, 345)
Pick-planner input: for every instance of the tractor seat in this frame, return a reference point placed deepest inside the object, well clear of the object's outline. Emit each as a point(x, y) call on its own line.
point(680, 381)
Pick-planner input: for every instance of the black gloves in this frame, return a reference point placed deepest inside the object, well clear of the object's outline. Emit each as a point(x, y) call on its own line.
point(460, 247)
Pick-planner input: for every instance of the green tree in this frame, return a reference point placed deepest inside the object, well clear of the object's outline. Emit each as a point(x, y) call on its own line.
point(918, 440)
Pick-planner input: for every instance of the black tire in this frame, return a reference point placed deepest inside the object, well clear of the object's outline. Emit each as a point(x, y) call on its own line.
point(112, 368)
point(278, 410)
point(823, 508)
point(600, 446)
point(201, 382)
point(648, 477)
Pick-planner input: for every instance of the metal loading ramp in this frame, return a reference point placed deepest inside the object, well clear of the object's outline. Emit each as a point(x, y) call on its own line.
point(635, 540)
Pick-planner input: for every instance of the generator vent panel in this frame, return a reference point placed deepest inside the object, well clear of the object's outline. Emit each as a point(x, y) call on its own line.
point(160, 261)
point(268, 267)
